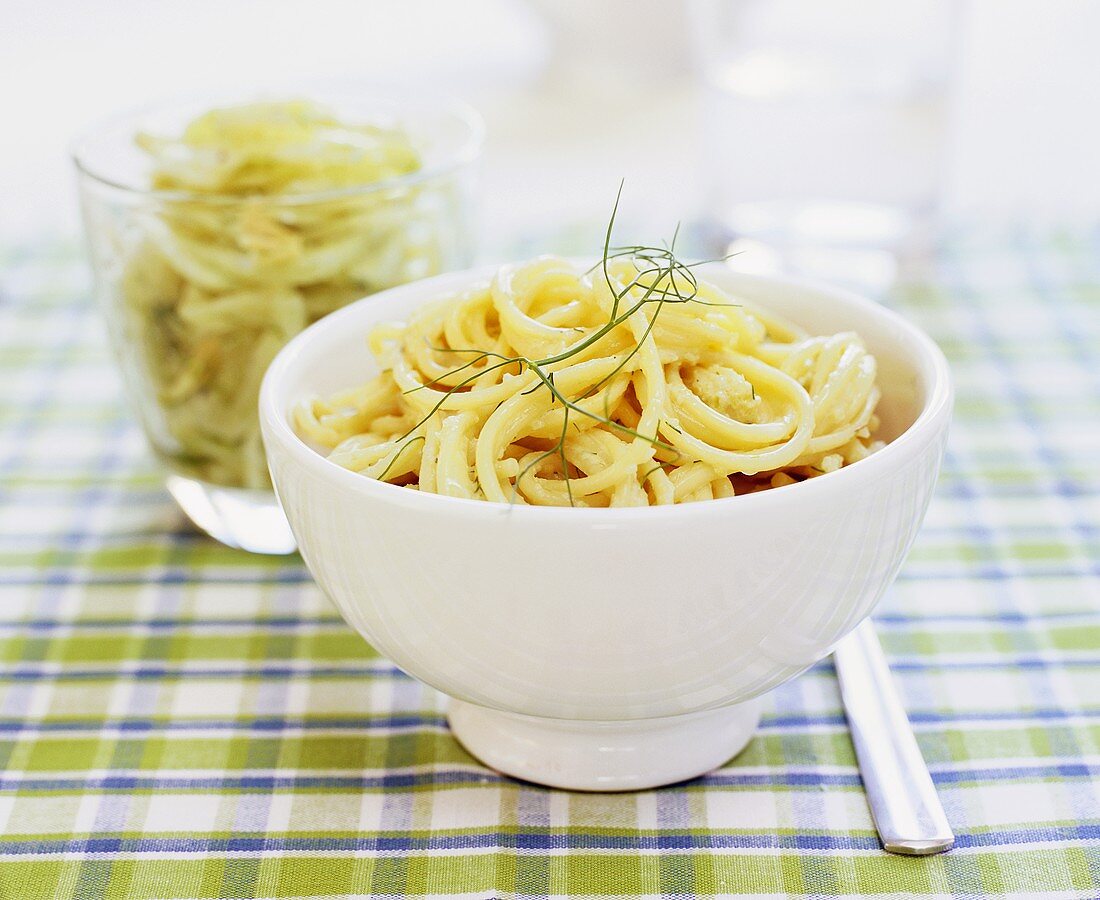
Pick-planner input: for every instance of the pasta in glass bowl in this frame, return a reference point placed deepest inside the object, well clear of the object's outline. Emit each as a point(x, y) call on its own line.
point(218, 232)
point(606, 642)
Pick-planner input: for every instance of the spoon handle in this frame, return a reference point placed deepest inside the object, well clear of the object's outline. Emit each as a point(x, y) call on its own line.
point(907, 812)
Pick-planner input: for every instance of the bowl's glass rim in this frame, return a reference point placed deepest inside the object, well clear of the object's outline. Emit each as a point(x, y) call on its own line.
point(466, 152)
point(937, 407)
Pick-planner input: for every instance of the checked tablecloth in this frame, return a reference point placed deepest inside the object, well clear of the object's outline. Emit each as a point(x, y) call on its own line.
point(182, 720)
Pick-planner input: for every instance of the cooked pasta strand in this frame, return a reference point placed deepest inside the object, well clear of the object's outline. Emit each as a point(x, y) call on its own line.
point(629, 385)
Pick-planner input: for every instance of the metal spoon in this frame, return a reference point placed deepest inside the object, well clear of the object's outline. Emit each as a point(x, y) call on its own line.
point(907, 812)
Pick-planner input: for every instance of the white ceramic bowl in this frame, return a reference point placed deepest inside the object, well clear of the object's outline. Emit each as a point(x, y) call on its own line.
point(610, 649)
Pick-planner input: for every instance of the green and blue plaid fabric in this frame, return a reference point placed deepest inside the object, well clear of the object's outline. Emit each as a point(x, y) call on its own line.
point(182, 720)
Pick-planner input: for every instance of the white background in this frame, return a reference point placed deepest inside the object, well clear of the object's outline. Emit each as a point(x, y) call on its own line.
point(558, 82)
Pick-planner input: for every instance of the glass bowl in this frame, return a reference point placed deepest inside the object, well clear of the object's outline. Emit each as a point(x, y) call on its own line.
point(200, 290)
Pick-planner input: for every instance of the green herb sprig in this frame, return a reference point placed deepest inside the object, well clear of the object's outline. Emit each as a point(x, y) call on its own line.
point(664, 279)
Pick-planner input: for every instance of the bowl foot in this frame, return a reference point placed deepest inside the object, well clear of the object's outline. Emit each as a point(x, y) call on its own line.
point(604, 756)
point(246, 519)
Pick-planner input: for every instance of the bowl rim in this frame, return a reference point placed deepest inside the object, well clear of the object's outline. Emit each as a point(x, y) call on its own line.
point(274, 409)
point(465, 153)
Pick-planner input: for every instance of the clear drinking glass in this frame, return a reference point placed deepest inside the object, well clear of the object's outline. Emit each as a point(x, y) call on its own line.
point(200, 291)
point(825, 124)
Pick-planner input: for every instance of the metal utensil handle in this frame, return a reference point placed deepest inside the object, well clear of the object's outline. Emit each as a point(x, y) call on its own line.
point(903, 800)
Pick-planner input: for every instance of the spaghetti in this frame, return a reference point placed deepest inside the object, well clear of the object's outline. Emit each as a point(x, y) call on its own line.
point(634, 383)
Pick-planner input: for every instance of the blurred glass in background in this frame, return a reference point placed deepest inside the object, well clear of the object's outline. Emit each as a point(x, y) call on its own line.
point(825, 127)
point(579, 95)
